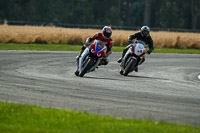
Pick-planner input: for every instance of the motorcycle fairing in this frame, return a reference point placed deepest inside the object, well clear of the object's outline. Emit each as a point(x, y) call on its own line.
point(99, 46)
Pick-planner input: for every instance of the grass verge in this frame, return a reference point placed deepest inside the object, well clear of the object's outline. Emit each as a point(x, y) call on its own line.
point(40, 47)
point(30, 119)
point(64, 47)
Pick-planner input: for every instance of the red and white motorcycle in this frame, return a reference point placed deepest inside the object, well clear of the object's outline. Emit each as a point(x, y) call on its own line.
point(91, 57)
point(133, 57)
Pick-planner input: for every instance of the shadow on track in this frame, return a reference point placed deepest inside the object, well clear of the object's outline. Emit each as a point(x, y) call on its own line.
point(144, 77)
point(92, 77)
point(127, 78)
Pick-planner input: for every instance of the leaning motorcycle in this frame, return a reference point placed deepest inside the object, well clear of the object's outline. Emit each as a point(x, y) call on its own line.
point(91, 57)
point(133, 57)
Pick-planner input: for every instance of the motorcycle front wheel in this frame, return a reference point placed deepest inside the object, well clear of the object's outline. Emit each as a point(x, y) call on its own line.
point(86, 67)
point(129, 67)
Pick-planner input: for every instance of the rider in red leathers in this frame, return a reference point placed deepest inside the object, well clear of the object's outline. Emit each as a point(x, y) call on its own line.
point(105, 37)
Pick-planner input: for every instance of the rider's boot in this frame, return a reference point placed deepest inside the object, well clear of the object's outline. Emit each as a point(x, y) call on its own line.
point(121, 71)
point(77, 73)
point(120, 59)
point(136, 69)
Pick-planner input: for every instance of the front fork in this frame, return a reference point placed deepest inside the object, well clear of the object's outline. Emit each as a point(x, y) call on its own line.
point(125, 57)
point(82, 57)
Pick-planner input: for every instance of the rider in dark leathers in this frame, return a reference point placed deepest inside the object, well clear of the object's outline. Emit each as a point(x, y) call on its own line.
point(144, 36)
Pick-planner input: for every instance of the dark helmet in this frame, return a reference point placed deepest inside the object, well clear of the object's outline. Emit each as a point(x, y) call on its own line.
point(107, 31)
point(145, 30)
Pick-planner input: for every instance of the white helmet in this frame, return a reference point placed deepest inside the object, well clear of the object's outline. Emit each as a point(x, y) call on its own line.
point(107, 31)
point(145, 30)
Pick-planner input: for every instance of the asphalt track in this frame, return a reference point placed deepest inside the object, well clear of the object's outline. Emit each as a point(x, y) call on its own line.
point(166, 88)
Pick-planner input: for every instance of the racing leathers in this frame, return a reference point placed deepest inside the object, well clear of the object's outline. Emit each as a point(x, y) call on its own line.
point(138, 36)
point(98, 36)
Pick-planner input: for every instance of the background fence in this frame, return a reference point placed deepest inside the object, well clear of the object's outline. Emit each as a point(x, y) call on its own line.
point(84, 26)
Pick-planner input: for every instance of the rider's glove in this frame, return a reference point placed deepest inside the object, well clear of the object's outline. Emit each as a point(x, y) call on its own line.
point(88, 41)
point(87, 44)
point(129, 42)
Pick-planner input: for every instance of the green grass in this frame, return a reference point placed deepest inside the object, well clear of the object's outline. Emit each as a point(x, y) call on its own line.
point(179, 51)
point(18, 118)
point(64, 47)
point(40, 47)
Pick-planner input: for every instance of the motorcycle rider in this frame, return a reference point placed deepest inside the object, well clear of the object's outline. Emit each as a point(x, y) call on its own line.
point(144, 36)
point(104, 36)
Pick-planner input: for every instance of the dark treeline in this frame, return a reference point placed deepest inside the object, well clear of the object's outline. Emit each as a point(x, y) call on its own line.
point(176, 14)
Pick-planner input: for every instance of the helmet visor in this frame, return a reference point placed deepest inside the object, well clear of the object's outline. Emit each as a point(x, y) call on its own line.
point(145, 33)
point(107, 34)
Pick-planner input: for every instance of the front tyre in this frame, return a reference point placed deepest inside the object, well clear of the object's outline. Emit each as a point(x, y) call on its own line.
point(129, 67)
point(86, 67)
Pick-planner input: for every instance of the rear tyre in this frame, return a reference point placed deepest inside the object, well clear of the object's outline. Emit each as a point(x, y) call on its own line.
point(129, 67)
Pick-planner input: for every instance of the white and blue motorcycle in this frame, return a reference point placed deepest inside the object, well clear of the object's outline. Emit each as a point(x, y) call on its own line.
point(134, 55)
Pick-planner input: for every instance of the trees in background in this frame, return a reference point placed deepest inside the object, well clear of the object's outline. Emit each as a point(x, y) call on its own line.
point(147, 13)
point(180, 14)
point(195, 13)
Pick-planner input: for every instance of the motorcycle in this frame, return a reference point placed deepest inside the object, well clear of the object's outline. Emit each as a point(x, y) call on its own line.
point(91, 57)
point(133, 57)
